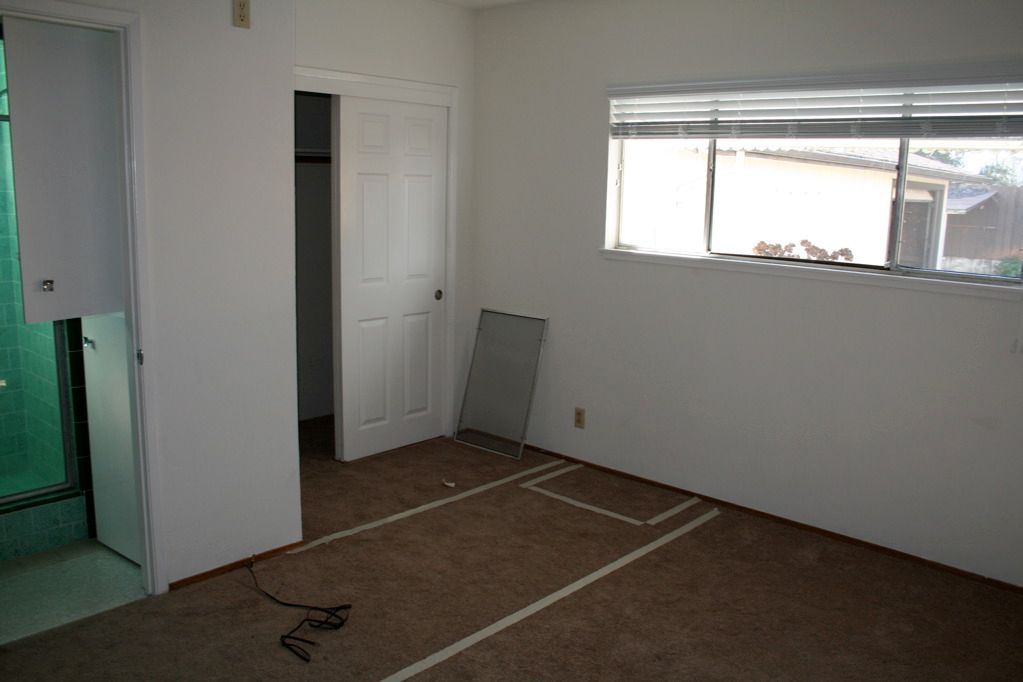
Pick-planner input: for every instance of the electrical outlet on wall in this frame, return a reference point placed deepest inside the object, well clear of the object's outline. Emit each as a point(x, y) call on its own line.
point(580, 418)
point(241, 13)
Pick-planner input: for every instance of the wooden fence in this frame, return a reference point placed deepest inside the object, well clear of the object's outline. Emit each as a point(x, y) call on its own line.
point(991, 231)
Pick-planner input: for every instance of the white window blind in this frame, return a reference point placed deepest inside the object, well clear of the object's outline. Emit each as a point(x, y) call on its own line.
point(958, 110)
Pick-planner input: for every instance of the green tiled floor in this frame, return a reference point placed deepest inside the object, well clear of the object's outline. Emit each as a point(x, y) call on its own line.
point(46, 590)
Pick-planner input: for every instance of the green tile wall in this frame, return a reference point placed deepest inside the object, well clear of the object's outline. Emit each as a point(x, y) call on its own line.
point(44, 437)
point(31, 438)
point(31, 442)
point(13, 425)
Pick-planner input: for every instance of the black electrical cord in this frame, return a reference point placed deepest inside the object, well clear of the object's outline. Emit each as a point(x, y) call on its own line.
point(327, 618)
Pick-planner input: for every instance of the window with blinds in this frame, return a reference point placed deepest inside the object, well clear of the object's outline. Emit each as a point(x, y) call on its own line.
point(919, 178)
point(974, 110)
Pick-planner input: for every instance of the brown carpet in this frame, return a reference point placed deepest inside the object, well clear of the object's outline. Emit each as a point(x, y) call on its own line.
point(740, 597)
point(616, 494)
point(337, 496)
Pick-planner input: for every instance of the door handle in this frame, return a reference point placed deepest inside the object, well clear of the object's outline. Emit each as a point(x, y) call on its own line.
point(438, 294)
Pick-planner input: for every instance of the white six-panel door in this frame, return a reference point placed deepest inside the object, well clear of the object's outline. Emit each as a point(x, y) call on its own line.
point(393, 211)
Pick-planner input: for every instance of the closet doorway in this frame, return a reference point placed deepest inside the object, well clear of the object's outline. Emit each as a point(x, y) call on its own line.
point(314, 289)
point(371, 189)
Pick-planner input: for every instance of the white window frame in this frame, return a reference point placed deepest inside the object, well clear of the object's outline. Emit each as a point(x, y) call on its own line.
point(891, 274)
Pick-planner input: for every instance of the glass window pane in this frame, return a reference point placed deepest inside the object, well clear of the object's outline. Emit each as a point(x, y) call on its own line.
point(32, 453)
point(663, 196)
point(3, 81)
point(820, 200)
point(964, 207)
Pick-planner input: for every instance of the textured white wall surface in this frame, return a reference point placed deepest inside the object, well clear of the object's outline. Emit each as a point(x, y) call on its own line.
point(890, 415)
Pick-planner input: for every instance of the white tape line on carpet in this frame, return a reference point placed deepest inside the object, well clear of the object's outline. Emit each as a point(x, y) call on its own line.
point(588, 507)
point(422, 508)
point(547, 477)
point(674, 510)
point(508, 621)
point(532, 485)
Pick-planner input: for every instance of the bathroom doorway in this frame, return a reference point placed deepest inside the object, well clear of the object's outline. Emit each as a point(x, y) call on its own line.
point(69, 481)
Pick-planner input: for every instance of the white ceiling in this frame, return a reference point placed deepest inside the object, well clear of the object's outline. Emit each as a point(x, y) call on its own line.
point(479, 4)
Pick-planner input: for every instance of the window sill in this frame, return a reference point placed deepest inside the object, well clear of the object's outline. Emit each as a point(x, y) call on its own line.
point(890, 280)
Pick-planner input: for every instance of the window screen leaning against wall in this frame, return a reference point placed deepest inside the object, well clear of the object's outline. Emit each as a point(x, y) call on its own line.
point(908, 176)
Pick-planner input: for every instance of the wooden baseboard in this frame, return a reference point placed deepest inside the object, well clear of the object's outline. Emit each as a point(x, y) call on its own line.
point(234, 565)
point(993, 582)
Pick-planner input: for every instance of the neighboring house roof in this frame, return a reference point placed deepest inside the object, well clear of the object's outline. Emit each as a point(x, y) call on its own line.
point(964, 199)
point(884, 159)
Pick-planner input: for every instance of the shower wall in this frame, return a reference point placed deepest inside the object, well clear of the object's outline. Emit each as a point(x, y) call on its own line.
point(45, 452)
point(13, 436)
point(32, 455)
point(31, 441)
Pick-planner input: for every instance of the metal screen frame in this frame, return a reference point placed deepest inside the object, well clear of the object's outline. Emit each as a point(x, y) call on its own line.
point(521, 441)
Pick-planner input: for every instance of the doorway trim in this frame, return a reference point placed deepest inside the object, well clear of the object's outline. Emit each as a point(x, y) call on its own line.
point(330, 82)
point(128, 26)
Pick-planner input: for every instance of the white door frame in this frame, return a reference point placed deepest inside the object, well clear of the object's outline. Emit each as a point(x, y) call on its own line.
point(127, 25)
point(330, 82)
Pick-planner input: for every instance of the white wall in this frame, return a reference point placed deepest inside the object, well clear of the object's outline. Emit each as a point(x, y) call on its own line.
point(417, 40)
point(219, 316)
point(891, 415)
point(706, 386)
